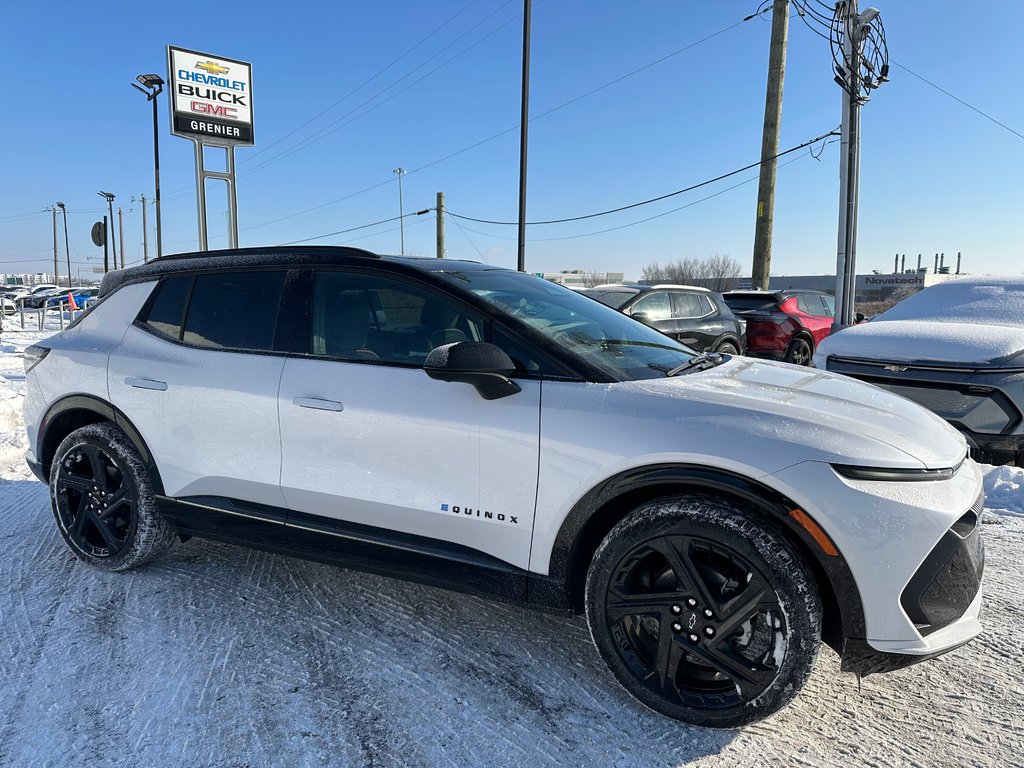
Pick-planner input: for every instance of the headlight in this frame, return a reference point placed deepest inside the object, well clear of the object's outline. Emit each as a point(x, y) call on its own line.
point(884, 474)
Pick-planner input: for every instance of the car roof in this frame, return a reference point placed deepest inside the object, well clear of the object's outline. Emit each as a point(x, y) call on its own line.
point(271, 256)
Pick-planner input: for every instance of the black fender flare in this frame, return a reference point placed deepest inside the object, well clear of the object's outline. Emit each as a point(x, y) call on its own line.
point(91, 404)
point(609, 501)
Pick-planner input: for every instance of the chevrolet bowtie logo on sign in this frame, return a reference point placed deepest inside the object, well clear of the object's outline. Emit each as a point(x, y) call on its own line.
point(211, 97)
point(212, 67)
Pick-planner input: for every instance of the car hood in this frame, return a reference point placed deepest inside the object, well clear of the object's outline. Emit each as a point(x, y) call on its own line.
point(962, 345)
point(826, 417)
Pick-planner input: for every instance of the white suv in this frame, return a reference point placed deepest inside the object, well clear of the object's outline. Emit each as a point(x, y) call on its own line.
point(483, 430)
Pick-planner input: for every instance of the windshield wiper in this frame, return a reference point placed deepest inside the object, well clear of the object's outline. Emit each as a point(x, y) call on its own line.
point(700, 362)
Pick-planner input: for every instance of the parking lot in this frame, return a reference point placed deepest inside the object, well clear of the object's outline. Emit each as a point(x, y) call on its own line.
point(222, 656)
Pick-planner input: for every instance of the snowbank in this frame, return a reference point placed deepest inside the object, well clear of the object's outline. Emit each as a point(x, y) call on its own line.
point(1003, 494)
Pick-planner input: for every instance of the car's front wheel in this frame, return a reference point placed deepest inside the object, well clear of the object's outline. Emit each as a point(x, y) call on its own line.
point(102, 497)
point(704, 612)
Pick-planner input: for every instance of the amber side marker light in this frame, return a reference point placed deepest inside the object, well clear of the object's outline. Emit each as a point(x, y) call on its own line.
point(805, 522)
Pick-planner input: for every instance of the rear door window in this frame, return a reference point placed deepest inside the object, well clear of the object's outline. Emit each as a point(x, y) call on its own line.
point(687, 305)
point(234, 310)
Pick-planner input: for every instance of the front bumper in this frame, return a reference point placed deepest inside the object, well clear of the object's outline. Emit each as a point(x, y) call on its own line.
point(914, 550)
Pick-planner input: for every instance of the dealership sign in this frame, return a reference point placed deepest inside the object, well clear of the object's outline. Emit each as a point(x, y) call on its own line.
point(211, 97)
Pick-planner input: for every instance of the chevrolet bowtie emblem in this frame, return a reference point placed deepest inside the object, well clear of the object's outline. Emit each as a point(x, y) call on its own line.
point(211, 67)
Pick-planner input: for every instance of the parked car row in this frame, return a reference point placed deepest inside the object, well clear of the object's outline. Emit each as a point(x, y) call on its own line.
point(44, 295)
point(778, 325)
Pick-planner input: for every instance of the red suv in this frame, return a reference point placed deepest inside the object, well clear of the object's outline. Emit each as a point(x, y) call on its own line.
point(783, 325)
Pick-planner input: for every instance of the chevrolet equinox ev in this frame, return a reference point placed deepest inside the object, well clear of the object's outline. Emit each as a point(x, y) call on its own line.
point(716, 518)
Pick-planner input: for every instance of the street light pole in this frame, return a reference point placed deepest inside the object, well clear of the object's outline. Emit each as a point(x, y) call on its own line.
point(109, 196)
point(524, 122)
point(67, 248)
point(401, 207)
point(155, 84)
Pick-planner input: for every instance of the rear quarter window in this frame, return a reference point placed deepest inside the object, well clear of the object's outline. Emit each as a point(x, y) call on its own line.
point(167, 312)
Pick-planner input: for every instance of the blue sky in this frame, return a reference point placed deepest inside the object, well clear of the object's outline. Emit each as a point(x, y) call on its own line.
point(936, 176)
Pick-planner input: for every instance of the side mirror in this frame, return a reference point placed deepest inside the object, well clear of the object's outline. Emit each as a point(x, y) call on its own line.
point(859, 317)
point(643, 317)
point(483, 365)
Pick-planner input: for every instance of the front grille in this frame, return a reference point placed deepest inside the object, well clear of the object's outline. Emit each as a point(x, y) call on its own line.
point(949, 579)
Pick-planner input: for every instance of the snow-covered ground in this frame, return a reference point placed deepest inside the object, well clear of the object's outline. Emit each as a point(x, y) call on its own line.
point(223, 656)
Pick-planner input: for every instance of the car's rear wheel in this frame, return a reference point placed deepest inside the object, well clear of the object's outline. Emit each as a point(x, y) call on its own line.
point(102, 498)
point(727, 348)
point(799, 352)
point(703, 612)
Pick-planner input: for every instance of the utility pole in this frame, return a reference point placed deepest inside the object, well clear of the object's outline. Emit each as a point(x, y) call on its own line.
point(770, 146)
point(120, 229)
point(856, 74)
point(440, 225)
point(524, 122)
point(401, 207)
point(145, 238)
point(54, 210)
point(106, 252)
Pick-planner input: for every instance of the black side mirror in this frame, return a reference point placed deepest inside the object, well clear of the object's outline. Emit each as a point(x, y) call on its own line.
point(483, 365)
point(643, 317)
point(859, 317)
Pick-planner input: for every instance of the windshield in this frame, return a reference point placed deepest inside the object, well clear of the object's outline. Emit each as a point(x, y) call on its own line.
point(619, 346)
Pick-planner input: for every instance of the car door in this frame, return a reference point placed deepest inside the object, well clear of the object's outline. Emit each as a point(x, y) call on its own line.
point(198, 376)
point(698, 326)
point(375, 449)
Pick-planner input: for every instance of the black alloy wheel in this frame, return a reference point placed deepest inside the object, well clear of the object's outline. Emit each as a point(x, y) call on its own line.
point(705, 613)
point(727, 348)
point(94, 502)
point(103, 500)
point(799, 352)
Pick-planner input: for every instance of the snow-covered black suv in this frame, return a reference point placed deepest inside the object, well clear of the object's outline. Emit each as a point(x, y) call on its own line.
point(487, 431)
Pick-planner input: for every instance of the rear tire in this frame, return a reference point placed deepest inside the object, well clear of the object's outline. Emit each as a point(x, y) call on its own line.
point(727, 348)
point(705, 613)
point(102, 498)
point(799, 352)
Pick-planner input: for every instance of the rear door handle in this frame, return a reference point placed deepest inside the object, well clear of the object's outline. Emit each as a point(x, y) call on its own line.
point(132, 381)
point(318, 404)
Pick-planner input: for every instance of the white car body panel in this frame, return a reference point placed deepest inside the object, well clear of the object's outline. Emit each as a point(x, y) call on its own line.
point(214, 428)
point(895, 526)
point(753, 417)
point(77, 364)
point(405, 447)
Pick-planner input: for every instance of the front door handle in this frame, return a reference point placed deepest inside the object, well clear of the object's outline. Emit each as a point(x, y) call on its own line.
point(132, 381)
point(318, 404)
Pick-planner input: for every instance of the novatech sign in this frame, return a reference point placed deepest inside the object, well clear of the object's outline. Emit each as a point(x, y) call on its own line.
point(211, 97)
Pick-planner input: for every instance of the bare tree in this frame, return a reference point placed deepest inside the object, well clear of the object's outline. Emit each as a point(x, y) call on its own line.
point(718, 272)
point(590, 279)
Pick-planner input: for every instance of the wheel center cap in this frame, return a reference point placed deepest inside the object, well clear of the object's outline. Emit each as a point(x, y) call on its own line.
point(692, 621)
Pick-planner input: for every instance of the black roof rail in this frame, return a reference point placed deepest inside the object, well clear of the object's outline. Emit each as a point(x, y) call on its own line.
point(227, 253)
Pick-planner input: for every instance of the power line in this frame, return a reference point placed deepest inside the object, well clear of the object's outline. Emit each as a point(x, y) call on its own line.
point(957, 98)
point(361, 226)
point(659, 197)
point(499, 134)
point(648, 218)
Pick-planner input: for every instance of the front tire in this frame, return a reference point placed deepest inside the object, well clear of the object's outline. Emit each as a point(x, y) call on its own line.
point(704, 612)
point(102, 498)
